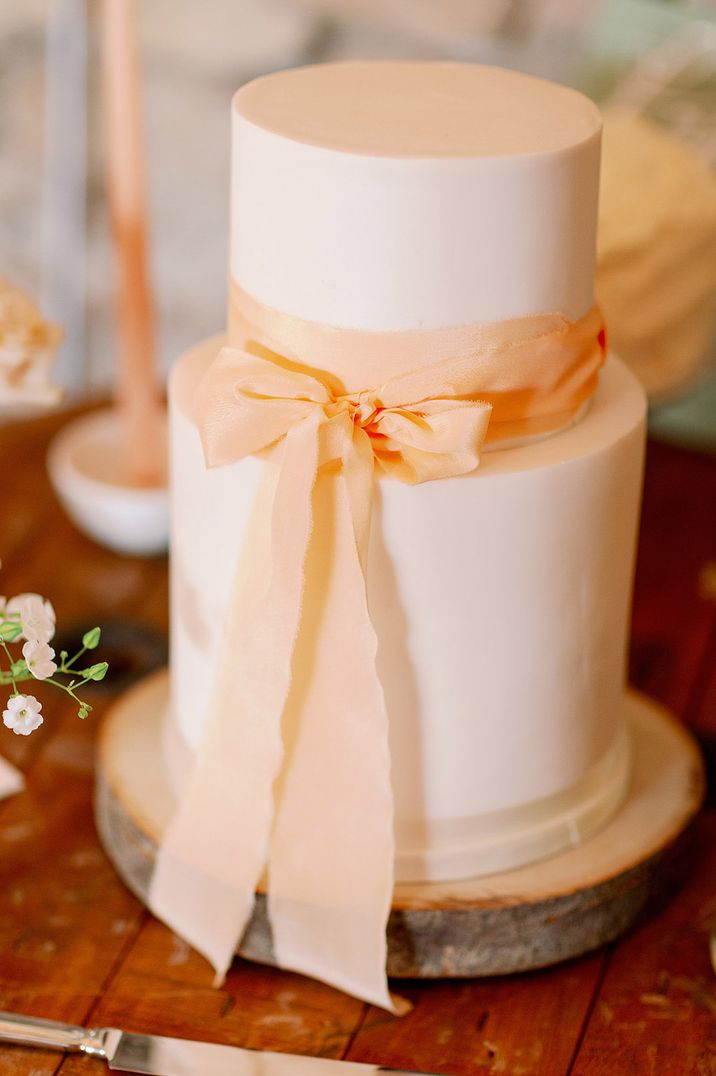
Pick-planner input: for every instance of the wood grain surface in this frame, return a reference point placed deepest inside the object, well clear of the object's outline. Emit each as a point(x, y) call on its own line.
point(75, 945)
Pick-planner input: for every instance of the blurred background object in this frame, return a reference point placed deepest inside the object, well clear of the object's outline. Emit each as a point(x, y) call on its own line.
point(652, 63)
point(653, 66)
point(28, 345)
point(656, 268)
point(64, 181)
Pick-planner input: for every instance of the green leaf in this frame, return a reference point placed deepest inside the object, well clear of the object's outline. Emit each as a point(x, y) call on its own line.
point(9, 632)
point(96, 672)
point(19, 667)
point(91, 638)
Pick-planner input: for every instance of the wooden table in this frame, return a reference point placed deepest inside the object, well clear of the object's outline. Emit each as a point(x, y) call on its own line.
point(76, 946)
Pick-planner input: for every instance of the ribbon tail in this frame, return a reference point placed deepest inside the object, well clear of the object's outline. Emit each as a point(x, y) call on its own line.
point(332, 849)
point(215, 849)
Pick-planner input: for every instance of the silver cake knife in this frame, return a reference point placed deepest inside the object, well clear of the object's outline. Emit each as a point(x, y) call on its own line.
point(155, 1055)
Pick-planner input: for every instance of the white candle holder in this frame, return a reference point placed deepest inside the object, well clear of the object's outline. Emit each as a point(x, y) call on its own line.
point(84, 467)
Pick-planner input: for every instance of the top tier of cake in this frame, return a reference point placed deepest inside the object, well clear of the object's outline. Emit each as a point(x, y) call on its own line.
point(403, 195)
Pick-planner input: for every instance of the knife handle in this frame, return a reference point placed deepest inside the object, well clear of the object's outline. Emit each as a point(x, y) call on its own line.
point(29, 1031)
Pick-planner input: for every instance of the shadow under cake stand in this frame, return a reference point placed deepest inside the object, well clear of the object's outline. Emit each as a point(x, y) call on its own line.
point(514, 921)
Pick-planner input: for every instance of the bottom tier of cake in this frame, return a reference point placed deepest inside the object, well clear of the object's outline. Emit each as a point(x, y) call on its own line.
point(508, 922)
point(501, 604)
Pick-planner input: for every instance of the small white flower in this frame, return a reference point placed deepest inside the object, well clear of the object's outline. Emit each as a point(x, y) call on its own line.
point(37, 617)
point(38, 657)
point(22, 714)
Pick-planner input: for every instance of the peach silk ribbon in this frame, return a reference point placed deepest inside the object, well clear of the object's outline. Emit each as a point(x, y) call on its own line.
point(293, 773)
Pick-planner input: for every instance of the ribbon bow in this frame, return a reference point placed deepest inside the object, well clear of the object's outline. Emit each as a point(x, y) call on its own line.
point(249, 402)
point(294, 768)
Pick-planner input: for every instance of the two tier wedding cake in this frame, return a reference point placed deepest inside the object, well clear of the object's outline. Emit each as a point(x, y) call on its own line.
point(405, 498)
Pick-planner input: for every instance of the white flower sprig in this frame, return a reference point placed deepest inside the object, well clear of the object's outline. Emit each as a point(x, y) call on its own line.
point(31, 618)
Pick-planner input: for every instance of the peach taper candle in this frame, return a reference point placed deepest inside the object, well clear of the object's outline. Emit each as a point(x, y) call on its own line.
point(137, 388)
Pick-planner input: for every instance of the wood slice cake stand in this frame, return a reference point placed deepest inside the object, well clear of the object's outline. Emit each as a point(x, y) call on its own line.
point(515, 921)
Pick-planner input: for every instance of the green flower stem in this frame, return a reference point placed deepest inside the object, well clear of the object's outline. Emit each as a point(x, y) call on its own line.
point(8, 678)
point(66, 666)
point(19, 678)
point(13, 677)
point(70, 689)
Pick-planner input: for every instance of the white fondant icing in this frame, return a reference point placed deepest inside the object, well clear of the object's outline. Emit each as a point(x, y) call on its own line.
point(501, 602)
point(361, 239)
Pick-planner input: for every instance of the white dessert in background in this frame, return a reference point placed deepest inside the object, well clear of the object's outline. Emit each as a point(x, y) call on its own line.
point(400, 196)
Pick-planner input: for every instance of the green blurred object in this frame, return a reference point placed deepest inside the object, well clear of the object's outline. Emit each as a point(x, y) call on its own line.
point(624, 31)
point(690, 421)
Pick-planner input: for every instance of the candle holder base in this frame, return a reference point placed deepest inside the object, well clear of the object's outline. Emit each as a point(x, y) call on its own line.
point(83, 466)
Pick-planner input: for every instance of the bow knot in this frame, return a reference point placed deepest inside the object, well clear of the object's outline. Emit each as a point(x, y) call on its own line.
point(248, 404)
point(361, 408)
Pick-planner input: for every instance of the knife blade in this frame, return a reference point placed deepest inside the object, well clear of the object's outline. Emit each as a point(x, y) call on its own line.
point(155, 1055)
